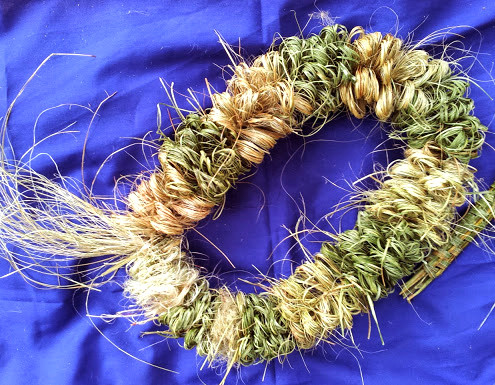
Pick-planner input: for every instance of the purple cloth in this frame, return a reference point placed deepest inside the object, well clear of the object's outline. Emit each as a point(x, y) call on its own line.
point(45, 337)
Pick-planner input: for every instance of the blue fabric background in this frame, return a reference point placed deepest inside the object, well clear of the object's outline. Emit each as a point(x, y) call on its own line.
point(45, 337)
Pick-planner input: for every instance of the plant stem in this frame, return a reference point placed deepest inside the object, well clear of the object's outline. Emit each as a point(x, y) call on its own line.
point(474, 221)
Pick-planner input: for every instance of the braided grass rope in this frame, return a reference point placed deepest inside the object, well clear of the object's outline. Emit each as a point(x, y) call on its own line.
point(300, 81)
point(472, 223)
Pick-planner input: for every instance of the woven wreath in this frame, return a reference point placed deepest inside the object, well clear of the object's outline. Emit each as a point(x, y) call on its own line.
point(299, 81)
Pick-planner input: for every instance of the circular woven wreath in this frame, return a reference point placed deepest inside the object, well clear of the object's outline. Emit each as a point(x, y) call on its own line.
point(300, 80)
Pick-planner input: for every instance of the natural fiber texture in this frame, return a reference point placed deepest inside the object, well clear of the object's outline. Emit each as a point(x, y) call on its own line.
point(238, 328)
point(160, 277)
point(422, 97)
point(473, 222)
point(209, 152)
point(264, 102)
point(301, 80)
point(405, 219)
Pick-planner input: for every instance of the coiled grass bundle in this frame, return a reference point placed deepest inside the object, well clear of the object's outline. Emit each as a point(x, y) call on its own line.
point(301, 81)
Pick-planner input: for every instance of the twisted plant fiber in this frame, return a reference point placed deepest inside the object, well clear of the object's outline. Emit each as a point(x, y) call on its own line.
point(300, 80)
point(473, 222)
point(421, 97)
point(303, 79)
point(391, 236)
point(410, 215)
point(259, 331)
point(263, 103)
point(402, 222)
